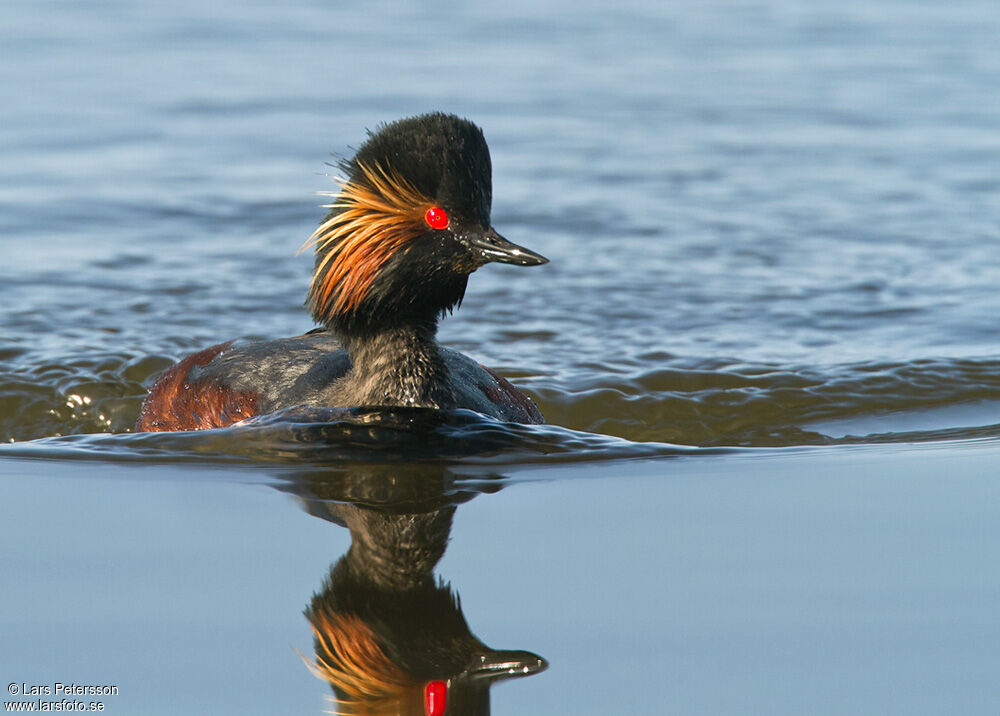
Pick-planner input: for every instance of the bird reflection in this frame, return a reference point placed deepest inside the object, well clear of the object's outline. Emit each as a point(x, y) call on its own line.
point(389, 636)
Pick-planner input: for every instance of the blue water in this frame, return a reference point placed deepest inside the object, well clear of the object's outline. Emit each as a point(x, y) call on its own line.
point(766, 345)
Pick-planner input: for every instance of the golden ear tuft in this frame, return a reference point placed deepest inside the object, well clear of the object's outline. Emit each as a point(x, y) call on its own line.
point(378, 215)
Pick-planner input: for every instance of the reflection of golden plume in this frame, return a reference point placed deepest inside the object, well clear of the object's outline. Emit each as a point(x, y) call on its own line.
point(351, 659)
point(377, 217)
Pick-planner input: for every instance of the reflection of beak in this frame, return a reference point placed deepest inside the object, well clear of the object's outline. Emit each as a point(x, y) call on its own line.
point(491, 246)
point(504, 664)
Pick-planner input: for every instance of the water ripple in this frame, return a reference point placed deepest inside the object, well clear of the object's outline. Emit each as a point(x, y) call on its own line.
point(331, 437)
point(602, 411)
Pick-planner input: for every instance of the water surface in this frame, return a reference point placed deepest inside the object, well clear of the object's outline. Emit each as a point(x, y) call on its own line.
point(766, 346)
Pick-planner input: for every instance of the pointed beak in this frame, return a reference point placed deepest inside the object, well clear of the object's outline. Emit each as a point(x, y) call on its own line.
point(491, 246)
point(505, 664)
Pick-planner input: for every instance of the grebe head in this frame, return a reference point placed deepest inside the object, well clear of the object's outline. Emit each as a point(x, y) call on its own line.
point(410, 223)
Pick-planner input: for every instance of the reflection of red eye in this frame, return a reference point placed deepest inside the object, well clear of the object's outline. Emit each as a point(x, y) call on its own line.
point(436, 218)
point(435, 696)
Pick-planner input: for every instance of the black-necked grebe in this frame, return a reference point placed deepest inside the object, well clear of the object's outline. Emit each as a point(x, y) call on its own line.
point(411, 222)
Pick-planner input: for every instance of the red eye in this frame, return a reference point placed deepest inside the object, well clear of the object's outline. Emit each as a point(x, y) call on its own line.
point(435, 698)
point(436, 218)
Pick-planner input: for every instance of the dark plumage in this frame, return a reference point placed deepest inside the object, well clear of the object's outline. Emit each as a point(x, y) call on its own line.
point(411, 222)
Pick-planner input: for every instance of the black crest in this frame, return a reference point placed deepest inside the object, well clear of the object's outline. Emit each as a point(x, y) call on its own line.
point(444, 157)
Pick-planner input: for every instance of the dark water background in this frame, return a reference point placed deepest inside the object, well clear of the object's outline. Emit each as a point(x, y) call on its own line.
point(771, 225)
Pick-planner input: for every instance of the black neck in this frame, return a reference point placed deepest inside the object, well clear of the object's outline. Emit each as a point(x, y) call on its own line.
point(399, 365)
